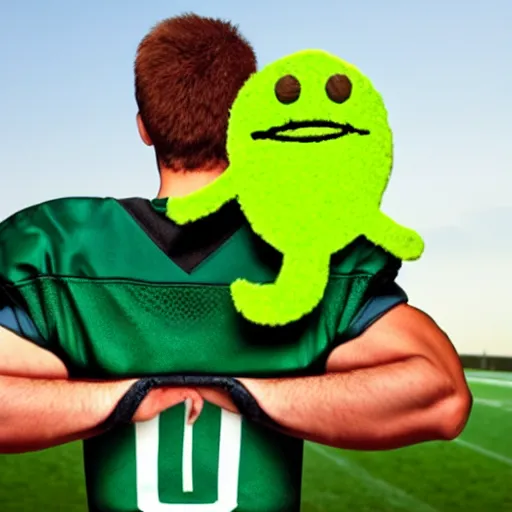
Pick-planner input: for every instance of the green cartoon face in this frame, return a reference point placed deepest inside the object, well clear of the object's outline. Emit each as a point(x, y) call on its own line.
point(312, 120)
point(310, 154)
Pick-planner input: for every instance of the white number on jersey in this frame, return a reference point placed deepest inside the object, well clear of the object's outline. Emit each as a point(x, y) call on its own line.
point(147, 446)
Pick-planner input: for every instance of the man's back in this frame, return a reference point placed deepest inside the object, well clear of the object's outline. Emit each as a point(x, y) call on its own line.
point(118, 290)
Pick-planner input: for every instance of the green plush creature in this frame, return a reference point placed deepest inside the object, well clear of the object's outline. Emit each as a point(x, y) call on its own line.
point(310, 152)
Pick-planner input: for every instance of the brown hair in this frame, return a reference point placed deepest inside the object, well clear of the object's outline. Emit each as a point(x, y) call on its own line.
point(188, 71)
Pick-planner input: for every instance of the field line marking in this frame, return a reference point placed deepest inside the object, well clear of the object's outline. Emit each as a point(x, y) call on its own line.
point(498, 404)
point(494, 382)
point(484, 451)
point(489, 374)
point(394, 495)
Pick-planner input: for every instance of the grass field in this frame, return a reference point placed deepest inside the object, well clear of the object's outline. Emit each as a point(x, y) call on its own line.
point(470, 474)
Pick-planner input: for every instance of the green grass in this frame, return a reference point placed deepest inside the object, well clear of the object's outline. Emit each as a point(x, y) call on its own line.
point(31, 482)
point(473, 473)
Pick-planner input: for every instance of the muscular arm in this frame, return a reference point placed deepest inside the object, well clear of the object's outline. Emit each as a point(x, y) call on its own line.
point(41, 408)
point(39, 413)
point(399, 383)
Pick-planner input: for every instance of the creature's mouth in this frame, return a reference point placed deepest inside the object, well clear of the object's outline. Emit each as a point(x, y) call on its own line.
point(308, 131)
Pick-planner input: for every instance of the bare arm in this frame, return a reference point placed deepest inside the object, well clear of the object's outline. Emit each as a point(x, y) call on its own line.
point(41, 408)
point(22, 358)
point(37, 413)
point(399, 383)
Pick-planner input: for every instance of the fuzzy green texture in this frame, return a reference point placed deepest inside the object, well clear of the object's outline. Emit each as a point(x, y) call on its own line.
point(308, 200)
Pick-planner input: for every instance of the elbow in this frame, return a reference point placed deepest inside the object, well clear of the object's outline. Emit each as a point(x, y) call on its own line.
point(452, 412)
point(449, 403)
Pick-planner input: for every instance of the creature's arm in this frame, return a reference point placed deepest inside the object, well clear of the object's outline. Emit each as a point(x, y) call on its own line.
point(399, 240)
point(399, 383)
point(205, 201)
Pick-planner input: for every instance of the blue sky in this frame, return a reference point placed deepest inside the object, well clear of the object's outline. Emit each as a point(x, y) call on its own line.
point(67, 106)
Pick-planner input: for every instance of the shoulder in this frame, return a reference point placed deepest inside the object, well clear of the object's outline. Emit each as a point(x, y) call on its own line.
point(364, 257)
point(32, 237)
point(402, 332)
point(364, 274)
point(65, 210)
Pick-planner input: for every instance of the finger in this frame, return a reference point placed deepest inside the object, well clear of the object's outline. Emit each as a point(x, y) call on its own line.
point(194, 405)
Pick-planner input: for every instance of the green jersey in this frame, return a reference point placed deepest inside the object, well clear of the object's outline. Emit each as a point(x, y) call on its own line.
point(115, 289)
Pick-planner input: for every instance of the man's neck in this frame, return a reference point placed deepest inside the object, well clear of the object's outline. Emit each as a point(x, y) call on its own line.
point(182, 183)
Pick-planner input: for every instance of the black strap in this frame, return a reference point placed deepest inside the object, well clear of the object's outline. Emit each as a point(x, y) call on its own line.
point(243, 400)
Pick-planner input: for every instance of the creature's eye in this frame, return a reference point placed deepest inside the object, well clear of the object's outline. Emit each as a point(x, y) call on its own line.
point(287, 89)
point(338, 88)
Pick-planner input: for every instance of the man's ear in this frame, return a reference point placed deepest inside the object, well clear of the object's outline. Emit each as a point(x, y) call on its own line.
point(143, 132)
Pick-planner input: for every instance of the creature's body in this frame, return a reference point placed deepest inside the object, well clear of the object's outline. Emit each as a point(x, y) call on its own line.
point(310, 154)
point(117, 290)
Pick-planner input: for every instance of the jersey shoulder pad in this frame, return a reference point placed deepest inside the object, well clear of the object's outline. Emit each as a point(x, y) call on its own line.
point(364, 257)
point(32, 239)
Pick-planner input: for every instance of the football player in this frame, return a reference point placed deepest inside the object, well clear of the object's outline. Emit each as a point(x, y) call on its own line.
point(119, 328)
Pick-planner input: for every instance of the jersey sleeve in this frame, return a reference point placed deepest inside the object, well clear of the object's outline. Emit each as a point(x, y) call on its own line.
point(389, 296)
point(23, 256)
point(19, 322)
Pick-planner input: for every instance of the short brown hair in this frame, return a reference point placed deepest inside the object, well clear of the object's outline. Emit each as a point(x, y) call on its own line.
point(188, 71)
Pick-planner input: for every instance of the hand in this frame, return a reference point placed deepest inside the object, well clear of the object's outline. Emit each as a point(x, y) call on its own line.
point(218, 397)
point(257, 387)
point(161, 399)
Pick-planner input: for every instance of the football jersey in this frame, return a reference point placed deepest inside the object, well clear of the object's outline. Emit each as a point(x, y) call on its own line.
point(116, 290)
